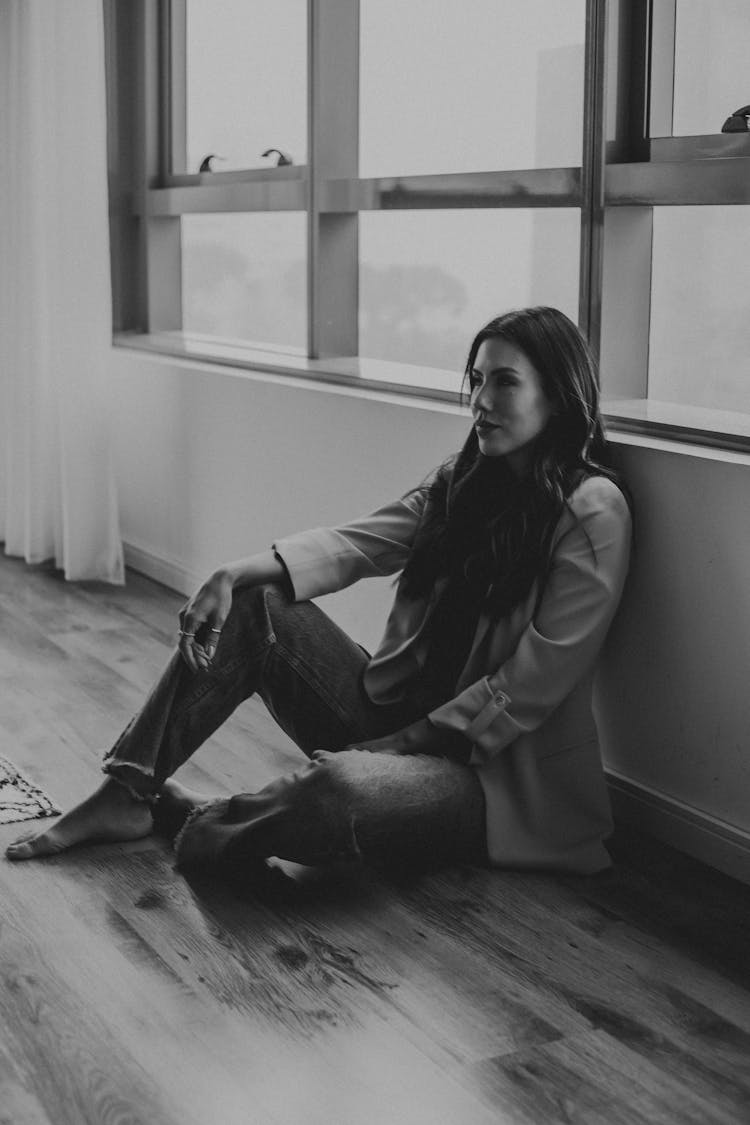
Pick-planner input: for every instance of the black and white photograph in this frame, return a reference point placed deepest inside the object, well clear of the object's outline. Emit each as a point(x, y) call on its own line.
point(374, 562)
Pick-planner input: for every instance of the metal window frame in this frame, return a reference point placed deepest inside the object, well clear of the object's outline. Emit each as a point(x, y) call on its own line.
point(328, 188)
point(626, 171)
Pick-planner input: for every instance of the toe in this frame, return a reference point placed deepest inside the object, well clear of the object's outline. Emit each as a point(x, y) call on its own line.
point(19, 849)
point(30, 846)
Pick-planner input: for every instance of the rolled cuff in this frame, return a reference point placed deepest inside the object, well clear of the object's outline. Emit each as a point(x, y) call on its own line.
point(480, 714)
point(138, 780)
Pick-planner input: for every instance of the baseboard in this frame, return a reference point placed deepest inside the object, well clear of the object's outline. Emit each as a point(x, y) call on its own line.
point(705, 837)
point(162, 569)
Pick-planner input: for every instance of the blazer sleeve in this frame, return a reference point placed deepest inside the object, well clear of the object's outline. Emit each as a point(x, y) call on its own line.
point(325, 559)
point(560, 644)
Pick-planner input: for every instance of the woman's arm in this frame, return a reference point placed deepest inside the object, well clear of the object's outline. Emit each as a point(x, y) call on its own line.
point(255, 570)
point(202, 619)
point(312, 563)
point(421, 737)
point(325, 559)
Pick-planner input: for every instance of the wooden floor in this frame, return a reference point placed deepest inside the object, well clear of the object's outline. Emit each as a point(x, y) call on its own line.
point(131, 994)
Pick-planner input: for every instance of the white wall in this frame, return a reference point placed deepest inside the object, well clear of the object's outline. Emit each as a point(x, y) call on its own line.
point(674, 699)
point(213, 465)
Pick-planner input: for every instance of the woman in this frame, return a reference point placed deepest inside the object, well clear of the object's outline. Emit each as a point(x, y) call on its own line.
point(469, 735)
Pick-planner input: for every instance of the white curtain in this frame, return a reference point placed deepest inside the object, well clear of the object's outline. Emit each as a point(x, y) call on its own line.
point(57, 491)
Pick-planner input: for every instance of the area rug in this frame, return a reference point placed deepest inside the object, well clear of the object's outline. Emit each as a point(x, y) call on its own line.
point(20, 799)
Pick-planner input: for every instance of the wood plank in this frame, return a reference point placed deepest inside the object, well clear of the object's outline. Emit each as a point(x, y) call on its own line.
point(130, 993)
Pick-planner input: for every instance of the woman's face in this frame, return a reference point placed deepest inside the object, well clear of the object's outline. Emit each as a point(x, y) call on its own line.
point(508, 402)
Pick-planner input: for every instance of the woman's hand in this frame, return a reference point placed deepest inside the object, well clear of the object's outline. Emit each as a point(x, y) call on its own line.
point(421, 737)
point(202, 620)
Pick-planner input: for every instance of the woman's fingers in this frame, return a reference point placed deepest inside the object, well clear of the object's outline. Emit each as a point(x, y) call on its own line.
point(190, 648)
point(213, 634)
point(198, 644)
point(187, 650)
point(201, 622)
point(215, 624)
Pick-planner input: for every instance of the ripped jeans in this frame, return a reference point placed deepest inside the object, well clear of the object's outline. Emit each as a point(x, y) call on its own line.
point(342, 804)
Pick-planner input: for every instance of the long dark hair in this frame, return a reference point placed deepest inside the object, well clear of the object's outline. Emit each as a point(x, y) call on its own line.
point(483, 523)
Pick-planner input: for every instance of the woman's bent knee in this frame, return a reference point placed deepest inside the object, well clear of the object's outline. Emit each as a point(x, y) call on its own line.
point(340, 775)
point(252, 614)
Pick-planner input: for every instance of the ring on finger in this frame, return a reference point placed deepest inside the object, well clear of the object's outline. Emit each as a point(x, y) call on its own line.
point(214, 630)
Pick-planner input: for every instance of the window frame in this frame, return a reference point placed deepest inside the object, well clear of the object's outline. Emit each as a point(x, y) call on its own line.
point(625, 172)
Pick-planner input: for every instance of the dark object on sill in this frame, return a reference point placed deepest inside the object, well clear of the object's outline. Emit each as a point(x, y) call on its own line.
point(737, 123)
point(206, 162)
point(284, 157)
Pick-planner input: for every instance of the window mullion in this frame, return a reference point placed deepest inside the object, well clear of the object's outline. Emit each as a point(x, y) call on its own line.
point(160, 237)
point(663, 24)
point(533, 187)
point(625, 302)
point(333, 152)
point(174, 61)
point(592, 173)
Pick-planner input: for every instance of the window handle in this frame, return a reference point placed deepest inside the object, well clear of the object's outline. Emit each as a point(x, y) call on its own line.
point(737, 122)
point(284, 157)
point(206, 162)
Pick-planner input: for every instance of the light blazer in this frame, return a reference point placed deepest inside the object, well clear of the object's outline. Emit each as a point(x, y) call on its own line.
point(524, 696)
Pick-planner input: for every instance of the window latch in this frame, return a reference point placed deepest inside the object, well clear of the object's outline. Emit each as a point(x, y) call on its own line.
point(737, 122)
point(206, 162)
point(284, 157)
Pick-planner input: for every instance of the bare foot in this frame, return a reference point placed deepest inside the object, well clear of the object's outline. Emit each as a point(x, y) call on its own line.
point(174, 806)
point(110, 813)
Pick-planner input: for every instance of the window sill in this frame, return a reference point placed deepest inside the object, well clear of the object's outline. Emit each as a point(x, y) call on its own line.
point(357, 374)
point(692, 430)
point(691, 426)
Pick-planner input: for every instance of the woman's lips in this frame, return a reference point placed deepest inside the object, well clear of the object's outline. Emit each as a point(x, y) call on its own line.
point(486, 427)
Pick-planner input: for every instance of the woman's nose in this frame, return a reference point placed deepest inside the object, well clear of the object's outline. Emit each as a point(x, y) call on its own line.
point(483, 400)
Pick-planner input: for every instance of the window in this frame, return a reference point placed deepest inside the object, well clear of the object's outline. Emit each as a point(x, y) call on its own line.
point(245, 82)
point(429, 279)
point(700, 328)
point(488, 85)
point(382, 182)
point(711, 47)
point(243, 277)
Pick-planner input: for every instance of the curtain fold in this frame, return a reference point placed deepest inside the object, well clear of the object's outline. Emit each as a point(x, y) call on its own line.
point(57, 487)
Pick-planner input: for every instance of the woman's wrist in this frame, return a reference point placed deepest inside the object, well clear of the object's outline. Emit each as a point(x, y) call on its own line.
point(222, 576)
point(423, 737)
point(252, 571)
point(419, 736)
point(447, 743)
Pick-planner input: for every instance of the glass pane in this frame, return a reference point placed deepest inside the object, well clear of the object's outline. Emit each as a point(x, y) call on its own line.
point(430, 279)
point(699, 348)
point(711, 78)
point(244, 277)
point(470, 85)
point(246, 81)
